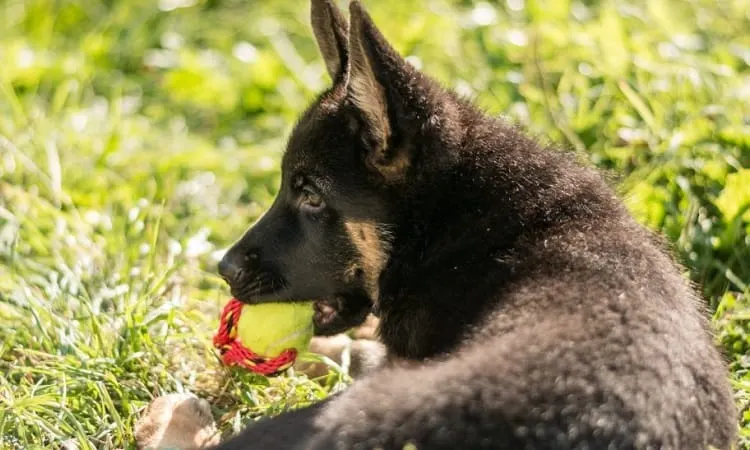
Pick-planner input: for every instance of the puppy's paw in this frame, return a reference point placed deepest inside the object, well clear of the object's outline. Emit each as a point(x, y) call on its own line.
point(181, 421)
point(365, 355)
point(328, 346)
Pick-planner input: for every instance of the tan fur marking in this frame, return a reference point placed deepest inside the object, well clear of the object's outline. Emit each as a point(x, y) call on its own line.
point(393, 169)
point(368, 330)
point(373, 252)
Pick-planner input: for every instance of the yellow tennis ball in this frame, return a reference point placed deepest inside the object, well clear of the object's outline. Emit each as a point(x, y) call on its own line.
point(270, 328)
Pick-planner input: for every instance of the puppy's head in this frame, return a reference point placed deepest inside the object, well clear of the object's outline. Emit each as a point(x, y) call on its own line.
point(347, 170)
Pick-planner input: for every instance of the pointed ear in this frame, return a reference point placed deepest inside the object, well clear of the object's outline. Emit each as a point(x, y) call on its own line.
point(330, 30)
point(375, 70)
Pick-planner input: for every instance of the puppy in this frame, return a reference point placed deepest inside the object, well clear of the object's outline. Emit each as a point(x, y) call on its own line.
point(527, 309)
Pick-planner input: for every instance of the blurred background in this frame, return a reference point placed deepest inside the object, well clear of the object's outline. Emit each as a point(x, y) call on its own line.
point(139, 138)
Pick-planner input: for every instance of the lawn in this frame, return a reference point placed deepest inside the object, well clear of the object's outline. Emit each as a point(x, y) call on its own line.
point(139, 138)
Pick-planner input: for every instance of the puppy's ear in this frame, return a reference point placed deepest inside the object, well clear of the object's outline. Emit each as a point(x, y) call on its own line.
point(330, 30)
point(376, 82)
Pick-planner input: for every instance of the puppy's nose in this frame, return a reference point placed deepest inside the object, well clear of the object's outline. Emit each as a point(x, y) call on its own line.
point(228, 269)
point(233, 263)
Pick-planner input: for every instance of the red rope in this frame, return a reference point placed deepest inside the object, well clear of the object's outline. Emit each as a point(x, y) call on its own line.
point(233, 353)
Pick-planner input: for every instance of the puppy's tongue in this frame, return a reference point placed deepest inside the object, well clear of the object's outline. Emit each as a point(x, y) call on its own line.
point(324, 311)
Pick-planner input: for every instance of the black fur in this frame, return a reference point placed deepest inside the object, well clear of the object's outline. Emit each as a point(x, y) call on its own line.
point(530, 309)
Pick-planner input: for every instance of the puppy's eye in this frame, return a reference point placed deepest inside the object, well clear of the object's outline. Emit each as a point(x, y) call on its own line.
point(310, 199)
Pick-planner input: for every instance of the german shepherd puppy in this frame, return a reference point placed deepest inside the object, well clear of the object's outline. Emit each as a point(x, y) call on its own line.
point(520, 304)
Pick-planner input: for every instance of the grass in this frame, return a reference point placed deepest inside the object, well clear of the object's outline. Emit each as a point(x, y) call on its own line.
point(138, 139)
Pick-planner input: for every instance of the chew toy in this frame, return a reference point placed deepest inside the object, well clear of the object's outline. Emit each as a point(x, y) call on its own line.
point(264, 338)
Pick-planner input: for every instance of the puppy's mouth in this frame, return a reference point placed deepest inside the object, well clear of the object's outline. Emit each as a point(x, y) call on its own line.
point(332, 313)
point(326, 312)
point(263, 287)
